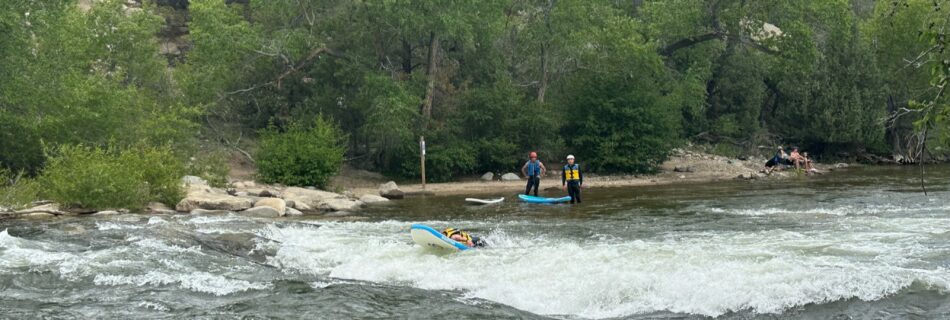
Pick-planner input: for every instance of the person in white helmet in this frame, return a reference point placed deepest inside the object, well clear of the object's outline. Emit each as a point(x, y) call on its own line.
point(572, 179)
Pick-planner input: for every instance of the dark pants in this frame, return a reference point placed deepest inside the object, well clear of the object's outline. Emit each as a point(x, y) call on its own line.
point(574, 190)
point(533, 182)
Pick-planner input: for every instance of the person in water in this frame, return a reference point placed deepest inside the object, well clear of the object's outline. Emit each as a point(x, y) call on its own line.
point(533, 170)
point(464, 238)
point(572, 179)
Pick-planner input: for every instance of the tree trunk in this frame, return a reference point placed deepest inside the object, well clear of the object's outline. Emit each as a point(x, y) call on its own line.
point(406, 57)
point(544, 73)
point(431, 70)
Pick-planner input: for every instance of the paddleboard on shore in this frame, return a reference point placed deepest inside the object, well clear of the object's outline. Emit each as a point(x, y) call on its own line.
point(484, 201)
point(428, 237)
point(533, 199)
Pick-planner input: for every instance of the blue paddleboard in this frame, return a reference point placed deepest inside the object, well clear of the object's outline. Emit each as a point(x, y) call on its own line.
point(427, 237)
point(533, 199)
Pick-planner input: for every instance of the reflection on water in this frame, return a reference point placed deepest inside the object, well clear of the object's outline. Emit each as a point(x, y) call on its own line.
point(861, 244)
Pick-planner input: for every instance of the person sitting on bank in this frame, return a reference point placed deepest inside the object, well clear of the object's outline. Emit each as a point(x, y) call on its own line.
point(464, 238)
point(572, 179)
point(533, 170)
point(809, 168)
point(780, 159)
point(798, 160)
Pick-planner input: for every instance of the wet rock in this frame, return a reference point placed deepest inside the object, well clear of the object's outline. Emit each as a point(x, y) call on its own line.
point(276, 203)
point(488, 176)
point(683, 169)
point(193, 180)
point(372, 198)
point(390, 190)
point(263, 212)
point(510, 177)
point(293, 212)
point(338, 214)
point(209, 212)
point(106, 213)
point(38, 215)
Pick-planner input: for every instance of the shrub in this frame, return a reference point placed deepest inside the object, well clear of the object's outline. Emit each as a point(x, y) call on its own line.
point(210, 166)
point(96, 178)
point(16, 190)
point(303, 155)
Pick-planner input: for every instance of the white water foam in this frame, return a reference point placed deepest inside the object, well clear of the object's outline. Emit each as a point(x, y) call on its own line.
point(698, 273)
point(195, 281)
point(834, 211)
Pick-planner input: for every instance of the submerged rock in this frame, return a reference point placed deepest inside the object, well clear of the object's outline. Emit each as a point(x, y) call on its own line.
point(390, 190)
point(510, 177)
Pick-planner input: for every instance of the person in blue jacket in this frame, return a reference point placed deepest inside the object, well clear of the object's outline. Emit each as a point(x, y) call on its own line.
point(533, 170)
point(572, 179)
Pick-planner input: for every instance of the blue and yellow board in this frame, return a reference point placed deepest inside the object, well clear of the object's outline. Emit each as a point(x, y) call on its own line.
point(426, 236)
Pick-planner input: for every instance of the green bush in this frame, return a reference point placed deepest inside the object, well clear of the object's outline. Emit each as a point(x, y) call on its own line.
point(16, 190)
point(97, 178)
point(210, 166)
point(302, 155)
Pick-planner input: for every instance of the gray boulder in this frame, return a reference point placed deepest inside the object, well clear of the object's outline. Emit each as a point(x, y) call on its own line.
point(488, 176)
point(308, 198)
point(209, 199)
point(293, 212)
point(276, 203)
point(390, 190)
point(372, 198)
point(341, 204)
point(510, 177)
point(263, 212)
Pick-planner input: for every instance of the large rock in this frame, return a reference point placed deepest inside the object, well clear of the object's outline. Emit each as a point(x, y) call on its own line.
point(308, 198)
point(372, 198)
point(263, 212)
point(211, 199)
point(341, 204)
point(293, 212)
point(510, 177)
point(276, 203)
point(193, 180)
point(488, 176)
point(390, 190)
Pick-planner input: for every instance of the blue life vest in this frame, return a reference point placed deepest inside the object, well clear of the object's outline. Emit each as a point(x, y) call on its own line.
point(534, 168)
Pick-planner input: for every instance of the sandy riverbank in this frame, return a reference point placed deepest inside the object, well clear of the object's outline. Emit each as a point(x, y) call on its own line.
point(682, 167)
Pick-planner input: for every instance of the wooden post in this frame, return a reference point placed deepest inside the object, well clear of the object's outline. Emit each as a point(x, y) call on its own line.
point(422, 159)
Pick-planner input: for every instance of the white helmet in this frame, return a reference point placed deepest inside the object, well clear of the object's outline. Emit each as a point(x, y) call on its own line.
point(570, 157)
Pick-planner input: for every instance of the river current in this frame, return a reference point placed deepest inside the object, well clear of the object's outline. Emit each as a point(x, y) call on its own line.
point(861, 244)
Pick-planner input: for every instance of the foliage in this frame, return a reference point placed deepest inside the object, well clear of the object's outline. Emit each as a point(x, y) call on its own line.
point(212, 166)
point(301, 155)
point(97, 178)
point(17, 190)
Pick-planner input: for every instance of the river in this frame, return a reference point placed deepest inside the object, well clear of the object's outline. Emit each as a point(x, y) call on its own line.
point(865, 243)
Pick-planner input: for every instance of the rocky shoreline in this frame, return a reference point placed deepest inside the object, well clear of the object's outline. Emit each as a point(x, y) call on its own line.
point(272, 201)
point(244, 198)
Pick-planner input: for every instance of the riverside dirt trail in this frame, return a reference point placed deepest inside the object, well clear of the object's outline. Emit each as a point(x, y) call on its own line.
point(860, 244)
